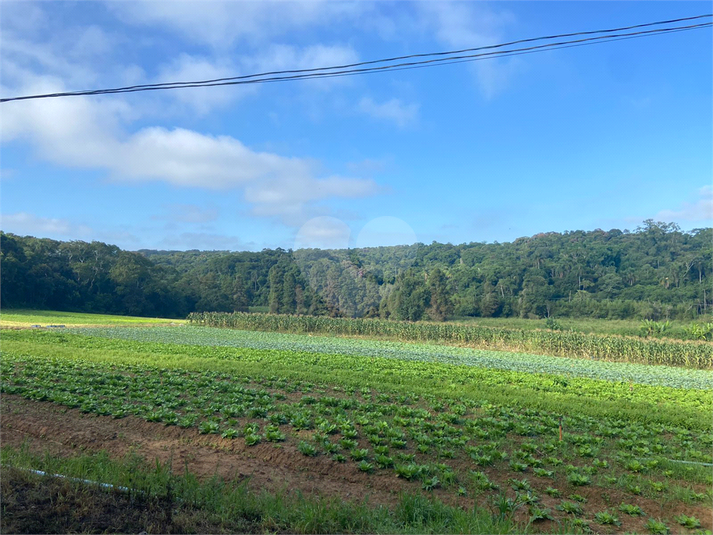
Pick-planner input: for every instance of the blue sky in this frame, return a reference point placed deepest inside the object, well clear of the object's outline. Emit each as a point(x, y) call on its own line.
point(601, 136)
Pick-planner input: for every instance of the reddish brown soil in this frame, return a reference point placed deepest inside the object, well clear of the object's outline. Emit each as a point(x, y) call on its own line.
point(270, 466)
point(275, 467)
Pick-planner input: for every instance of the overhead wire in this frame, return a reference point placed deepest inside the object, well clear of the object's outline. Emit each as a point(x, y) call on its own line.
point(436, 59)
point(419, 64)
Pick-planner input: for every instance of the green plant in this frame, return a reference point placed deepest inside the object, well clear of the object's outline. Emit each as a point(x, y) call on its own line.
point(431, 483)
point(518, 467)
point(366, 466)
point(207, 427)
point(607, 518)
point(348, 444)
point(407, 471)
point(656, 527)
point(632, 510)
point(578, 480)
point(690, 522)
point(541, 472)
point(634, 489)
point(538, 513)
point(273, 434)
point(523, 484)
point(359, 454)
point(572, 508)
point(230, 433)
point(307, 449)
point(383, 461)
point(503, 505)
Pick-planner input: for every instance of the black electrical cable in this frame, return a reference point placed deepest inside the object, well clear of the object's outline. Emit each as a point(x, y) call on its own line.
point(439, 58)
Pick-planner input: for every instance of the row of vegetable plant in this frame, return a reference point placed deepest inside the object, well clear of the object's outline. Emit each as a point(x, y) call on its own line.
point(560, 343)
point(575, 367)
point(556, 393)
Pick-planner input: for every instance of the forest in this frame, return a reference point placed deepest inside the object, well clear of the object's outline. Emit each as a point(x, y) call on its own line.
point(655, 272)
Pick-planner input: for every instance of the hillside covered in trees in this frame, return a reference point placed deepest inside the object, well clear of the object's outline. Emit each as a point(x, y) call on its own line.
point(655, 272)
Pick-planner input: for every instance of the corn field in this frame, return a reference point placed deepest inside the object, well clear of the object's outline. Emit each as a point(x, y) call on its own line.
point(570, 344)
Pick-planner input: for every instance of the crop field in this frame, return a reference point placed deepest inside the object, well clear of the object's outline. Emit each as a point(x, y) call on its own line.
point(624, 327)
point(558, 343)
point(503, 360)
point(496, 441)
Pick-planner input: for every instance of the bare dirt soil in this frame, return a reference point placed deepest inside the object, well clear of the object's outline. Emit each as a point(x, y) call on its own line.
point(271, 466)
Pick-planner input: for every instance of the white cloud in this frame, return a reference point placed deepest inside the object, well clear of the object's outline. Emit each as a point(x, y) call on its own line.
point(7, 174)
point(461, 25)
point(700, 210)
point(323, 233)
point(188, 213)
point(204, 241)
point(282, 57)
point(25, 224)
point(386, 230)
point(81, 132)
point(187, 68)
point(287, 57)
point(392, 110)
point(221, 24)
point(82, 55)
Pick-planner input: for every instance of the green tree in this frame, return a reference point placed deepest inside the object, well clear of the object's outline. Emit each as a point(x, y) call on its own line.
point(441, 304)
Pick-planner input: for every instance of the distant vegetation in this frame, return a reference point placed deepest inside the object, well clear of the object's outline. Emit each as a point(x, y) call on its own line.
point(657, 273)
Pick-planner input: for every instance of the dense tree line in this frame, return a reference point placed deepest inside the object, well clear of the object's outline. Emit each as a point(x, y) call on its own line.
point(655, 272)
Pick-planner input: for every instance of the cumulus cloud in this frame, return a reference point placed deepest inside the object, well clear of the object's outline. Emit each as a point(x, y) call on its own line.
point(80, 132)
point(392, 110)
point(700, 210)
point(99, 133)
point(24, 224)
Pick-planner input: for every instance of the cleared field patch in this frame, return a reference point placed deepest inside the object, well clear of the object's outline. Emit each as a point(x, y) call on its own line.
point(28, 318)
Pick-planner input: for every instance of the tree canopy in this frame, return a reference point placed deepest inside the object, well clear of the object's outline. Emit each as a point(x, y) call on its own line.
point(656, 271)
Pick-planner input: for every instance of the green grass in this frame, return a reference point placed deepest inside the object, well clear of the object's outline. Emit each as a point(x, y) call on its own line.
point(27, 317)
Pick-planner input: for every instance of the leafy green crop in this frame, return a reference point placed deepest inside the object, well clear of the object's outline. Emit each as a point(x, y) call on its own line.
point(503, 360)
point(604, 347)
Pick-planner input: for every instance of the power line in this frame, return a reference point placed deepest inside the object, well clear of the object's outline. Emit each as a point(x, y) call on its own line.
point(402, 66)
point(411, 56)
point(436, 59)
point(413, 65)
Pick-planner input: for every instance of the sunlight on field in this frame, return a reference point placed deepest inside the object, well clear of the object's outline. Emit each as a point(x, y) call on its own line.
point(27, 318)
